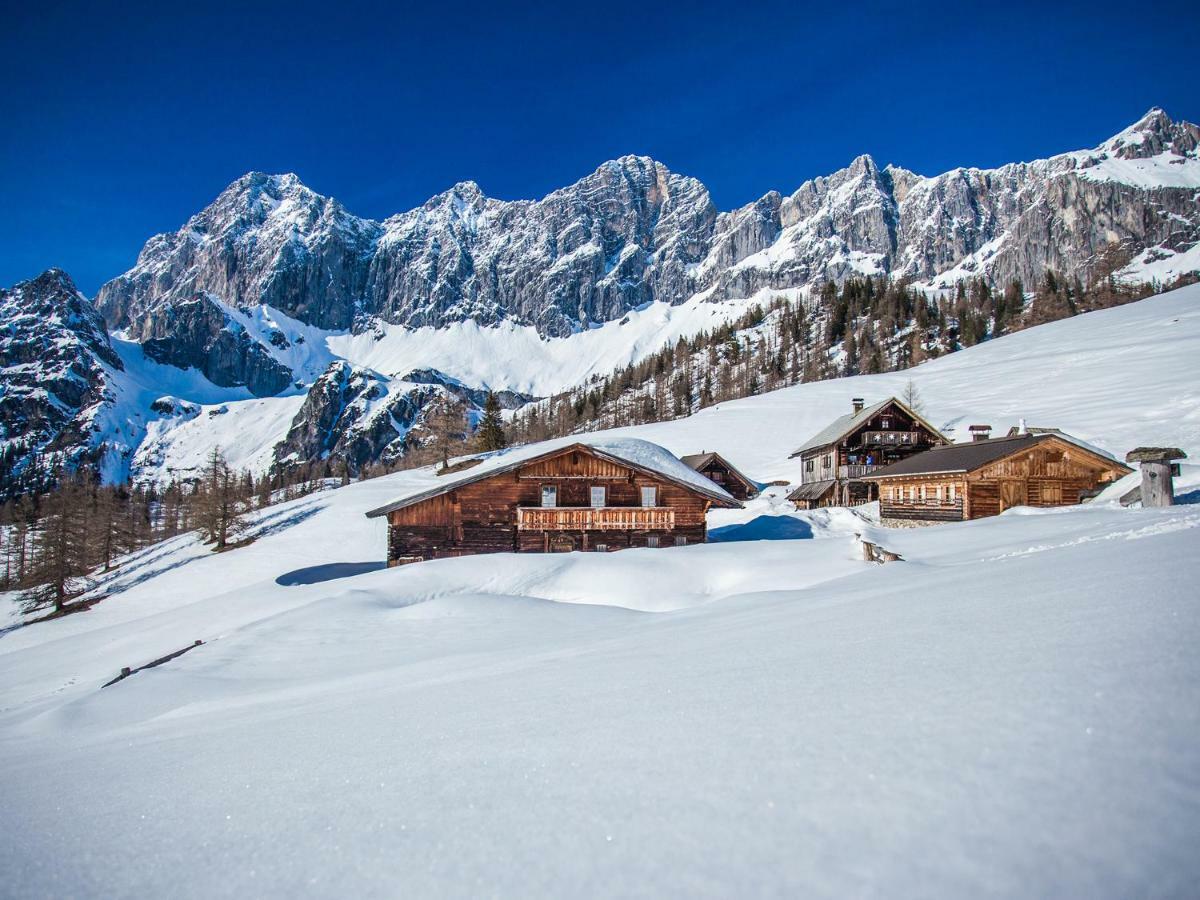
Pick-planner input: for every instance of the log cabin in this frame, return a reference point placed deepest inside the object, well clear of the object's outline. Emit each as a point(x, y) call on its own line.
point(835, 460)
point(718, 469)
point(986, 476)
point(598, 497)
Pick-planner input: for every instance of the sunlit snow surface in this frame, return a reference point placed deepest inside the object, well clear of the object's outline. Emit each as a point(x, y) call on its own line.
point(1011, 711)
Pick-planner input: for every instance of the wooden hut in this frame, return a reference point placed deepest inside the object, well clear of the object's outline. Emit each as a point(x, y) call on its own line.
point(579, 496)
point(835, 460)
point(986, 476)
point(718, 469)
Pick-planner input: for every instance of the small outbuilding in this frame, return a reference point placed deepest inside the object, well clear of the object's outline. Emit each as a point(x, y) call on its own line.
point(719, 470)
point(986, 476)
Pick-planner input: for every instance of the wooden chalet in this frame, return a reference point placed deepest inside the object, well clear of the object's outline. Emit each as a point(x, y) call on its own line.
point(836, 460)
point(986, 476)
point(580, 496)
point(718, 469)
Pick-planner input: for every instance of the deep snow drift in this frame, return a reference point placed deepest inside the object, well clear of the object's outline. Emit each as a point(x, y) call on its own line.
point(1009, 712)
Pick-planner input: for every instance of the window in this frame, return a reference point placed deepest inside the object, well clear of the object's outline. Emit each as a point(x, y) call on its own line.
point(922, 492)
point(549, 495)
point(953, 492)
point(885, 423)
point(599, 496)
point(808, 465)
point(650, 496)
point(652, 540)
point(601, 548)
point(827, 461)
point(680, 540)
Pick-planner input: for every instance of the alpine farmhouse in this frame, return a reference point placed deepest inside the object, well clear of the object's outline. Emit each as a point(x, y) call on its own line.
point(985, 476)
point(598, 497)
point(835, 461)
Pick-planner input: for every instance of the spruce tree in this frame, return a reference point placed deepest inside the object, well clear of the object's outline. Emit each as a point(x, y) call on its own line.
point(490, 434)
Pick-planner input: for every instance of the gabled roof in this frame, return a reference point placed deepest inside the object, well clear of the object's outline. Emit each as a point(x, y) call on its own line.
point(969, 456)
point(844, 425)
point(698, 461)
point(642, 456)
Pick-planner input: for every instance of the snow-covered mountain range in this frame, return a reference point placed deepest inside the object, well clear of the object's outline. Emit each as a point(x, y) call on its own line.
point(278, 295)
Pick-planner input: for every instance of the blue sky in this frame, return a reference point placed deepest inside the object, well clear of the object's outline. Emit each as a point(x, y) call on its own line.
point(121, 121)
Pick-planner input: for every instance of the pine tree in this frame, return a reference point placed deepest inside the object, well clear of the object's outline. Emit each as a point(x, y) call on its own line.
point(490, 434)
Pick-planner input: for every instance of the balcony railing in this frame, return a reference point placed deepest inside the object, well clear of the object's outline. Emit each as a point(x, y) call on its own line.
point(846, 473)
point(890, 438)
point(600, 518)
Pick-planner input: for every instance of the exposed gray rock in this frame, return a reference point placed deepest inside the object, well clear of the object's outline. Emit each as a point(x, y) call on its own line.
point(199, 334)
point(55, 357)
point(632, 232)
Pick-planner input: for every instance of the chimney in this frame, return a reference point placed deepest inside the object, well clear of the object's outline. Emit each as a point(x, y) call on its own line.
point(1021, 429)
point(980, 432)
point(857, 403)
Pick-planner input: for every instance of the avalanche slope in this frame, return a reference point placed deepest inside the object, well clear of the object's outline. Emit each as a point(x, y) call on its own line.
point(1011, 711)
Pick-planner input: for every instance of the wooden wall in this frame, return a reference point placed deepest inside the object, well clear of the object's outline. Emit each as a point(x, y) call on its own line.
point(482, 517)
point(1050, 473)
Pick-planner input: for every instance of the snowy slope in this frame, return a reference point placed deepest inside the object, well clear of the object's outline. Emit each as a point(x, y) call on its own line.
point(1010, 712)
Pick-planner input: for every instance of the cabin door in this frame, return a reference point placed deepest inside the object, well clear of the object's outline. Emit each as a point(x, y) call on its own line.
point(1012, 493)
point(561, 543)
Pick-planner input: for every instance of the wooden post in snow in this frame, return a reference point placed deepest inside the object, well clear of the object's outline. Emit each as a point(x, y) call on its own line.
point(1158, 469)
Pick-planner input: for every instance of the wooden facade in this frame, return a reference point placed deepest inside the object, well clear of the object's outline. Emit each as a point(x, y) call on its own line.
point(575, 498)
point(835, 463)
point(984, 478)
point(720, 471)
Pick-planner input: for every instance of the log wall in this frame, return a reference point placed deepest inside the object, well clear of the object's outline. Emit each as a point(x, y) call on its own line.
point(482, 517)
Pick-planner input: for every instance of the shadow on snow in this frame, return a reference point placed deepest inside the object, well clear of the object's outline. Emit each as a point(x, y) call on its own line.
point(327, 572)
point(763, 528)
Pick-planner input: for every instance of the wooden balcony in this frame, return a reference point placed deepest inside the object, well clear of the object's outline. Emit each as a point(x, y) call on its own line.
point(849, 473)
point(599, 518)
point(890, 438)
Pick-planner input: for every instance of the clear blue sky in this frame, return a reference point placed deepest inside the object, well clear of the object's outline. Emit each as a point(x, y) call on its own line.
point(122, 122)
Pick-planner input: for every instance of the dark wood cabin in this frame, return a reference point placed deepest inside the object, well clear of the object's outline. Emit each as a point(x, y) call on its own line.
point(578, 497)
point(986, 476)
point(719, 470)
point(835, 461)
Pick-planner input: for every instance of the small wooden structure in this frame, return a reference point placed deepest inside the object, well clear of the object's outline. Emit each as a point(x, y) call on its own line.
point(597, 497)
point(835, 461)
point(986, 476)
point(719, 470)
point(1159, 468)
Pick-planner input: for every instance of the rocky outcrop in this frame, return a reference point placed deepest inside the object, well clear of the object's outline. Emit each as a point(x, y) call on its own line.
point(198, 333)
point(354, 415)
point(55, 360)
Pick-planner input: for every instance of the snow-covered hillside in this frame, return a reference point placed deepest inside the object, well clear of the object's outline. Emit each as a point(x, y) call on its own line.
point(1011, 711)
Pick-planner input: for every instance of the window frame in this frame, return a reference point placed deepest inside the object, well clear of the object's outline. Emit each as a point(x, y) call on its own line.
point(653, 492)
point(549, 489)
point(592, 489)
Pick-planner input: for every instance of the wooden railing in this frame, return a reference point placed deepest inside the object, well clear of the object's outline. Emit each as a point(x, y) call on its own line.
point(848, 472)
point(602, 518)
point(890, 438)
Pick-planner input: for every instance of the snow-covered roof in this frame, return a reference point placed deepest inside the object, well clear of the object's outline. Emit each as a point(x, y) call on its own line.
point(843, 425)
point(639, 454)
point(971, 455)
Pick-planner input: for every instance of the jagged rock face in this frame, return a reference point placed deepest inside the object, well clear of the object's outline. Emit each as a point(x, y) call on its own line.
point(348, 415)
point(355, 415)
point(53, 354)
point(632, 232)
point(266, 239)
point(200, 334)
